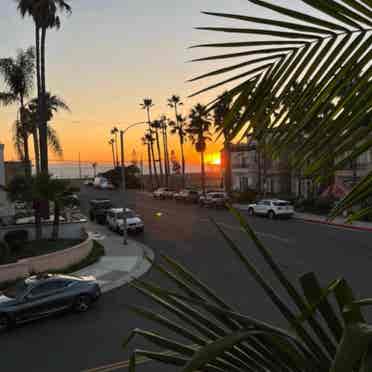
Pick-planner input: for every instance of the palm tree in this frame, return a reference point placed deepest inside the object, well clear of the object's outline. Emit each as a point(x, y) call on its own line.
point(148, 140)
point(94, 165)
point(18, 75)
point(111, 142)
point(174, 102)
point(156, 125)
point(178, 128)
point(146, 105)
point(54, 104)
point(221, 110)
point(199, 134)
point(45, 16)
point(164, 129)
point(114, 132)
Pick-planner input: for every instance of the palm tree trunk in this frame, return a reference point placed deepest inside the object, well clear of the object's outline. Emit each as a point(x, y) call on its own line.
point(166, 158)
point(43, 124)
point(159, 156)
point(25, 139)
point(183, 162)
point(154, 164)
point(36, 149)
point(202, 172)
point(228, 175)
point(38, 227)
point(57, 213)
point(117, 150)
point(150, 165)
point(113, 155)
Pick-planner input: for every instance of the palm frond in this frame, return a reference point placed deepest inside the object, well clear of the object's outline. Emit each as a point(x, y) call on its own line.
point(314, 84)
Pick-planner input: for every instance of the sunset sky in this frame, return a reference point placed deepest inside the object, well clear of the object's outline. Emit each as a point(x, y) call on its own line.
point(109, 55)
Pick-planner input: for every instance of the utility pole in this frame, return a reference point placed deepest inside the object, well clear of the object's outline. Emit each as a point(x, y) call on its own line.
point(123, 185)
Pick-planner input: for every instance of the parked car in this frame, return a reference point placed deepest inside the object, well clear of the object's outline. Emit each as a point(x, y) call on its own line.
point(271, 208)
point(98, 210)
point(89, 183)
point(163, 193)
point(44, 295)
point(19, 204)
point(189, 196)
point(115, 220)
point(107, 185)
point(214, 199)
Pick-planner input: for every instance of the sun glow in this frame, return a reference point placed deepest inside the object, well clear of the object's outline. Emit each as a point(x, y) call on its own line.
point(213, 159)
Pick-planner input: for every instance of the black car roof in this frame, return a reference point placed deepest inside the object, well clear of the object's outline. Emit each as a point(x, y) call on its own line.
point(49, 277)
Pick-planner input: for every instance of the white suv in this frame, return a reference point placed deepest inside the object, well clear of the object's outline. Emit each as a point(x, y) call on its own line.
point(115, 220)
point(271, 208)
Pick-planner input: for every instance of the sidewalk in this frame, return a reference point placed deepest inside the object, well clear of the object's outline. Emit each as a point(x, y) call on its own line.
point(121, 264)
point(313, 218)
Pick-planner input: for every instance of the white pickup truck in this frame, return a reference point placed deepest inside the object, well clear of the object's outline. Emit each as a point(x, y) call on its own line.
point(115, 220)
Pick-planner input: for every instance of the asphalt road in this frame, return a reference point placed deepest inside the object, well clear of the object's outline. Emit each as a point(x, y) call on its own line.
point(72, 342)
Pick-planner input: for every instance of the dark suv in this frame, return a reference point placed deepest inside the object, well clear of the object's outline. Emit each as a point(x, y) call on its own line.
point(98, 210)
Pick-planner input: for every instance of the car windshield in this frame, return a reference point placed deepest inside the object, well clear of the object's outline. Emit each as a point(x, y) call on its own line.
point(17, 290)
point(128, 214)
point(282, 204)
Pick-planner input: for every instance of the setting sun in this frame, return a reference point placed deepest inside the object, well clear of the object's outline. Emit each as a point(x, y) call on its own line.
point(213, 159)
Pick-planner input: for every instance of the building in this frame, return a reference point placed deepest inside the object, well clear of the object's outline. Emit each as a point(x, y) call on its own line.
point(14, 169)
point(249, 170)
point(253, 171)
point(6, 208)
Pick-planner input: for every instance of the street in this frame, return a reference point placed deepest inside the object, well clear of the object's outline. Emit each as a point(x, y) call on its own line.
point(72, 342)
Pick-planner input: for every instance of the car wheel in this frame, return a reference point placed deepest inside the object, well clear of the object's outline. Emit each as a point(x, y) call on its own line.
point(82, 304)
point(271, 215)
point(4, 323)
point(251, 212)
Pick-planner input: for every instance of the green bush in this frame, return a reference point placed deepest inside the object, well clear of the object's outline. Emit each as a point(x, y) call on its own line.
point(248, 196)
point(16, 239)
point(4, 253)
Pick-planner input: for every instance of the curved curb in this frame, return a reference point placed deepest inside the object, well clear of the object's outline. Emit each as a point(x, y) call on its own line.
point(340, 225)
point(142, 266)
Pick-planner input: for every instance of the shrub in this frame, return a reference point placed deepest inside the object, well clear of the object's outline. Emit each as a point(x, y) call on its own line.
point(248, 196)
point(4, 253)
point(16, 239)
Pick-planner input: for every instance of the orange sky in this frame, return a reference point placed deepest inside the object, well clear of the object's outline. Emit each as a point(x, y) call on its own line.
point(106, 58)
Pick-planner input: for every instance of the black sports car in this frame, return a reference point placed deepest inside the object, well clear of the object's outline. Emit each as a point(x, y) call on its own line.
point(41, 296)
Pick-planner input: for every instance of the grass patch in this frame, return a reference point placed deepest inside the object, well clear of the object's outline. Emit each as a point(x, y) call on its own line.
point(41, 247)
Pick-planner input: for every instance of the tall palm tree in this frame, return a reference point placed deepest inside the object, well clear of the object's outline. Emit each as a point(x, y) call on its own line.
point(18, 75)
point(221, 110)
point(146, 105)
point(45, 14)
point(156, 126)
point(111, 142)
point(199, 133)
point(174, 102)
point(148, 140)
point(179, 128)
point(164, 129)
point(114, 132)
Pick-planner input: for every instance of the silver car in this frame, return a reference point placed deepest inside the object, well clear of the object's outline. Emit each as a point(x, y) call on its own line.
point(41, 296)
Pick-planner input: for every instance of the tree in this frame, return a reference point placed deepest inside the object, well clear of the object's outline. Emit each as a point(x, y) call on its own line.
point(146, 105)
point(178, 127)
point(321, 53)
point(45, 14)
point(175, 102)
point(199, 134)
point(111, 142)
point(176, 167)
point(18, 74)
point(156, 126)
point(114, 131)
point(147, 140)
point(220, 112)
point(54, 104)
point(164, 130)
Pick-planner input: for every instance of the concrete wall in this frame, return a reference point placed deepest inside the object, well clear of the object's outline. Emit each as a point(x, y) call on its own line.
point(46, 263)
point(68, 230)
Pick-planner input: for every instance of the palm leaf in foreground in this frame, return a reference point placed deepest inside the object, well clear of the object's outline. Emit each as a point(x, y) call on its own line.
point(314, 82)
point(209, 335)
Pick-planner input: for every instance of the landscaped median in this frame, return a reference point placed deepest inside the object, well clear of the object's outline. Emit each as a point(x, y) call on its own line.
point(65, 260)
